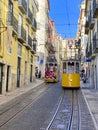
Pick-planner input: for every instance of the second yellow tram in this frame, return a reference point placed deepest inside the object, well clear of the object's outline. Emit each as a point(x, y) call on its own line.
point(70, 74)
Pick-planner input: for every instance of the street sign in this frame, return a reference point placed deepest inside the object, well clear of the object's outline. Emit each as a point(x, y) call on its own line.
point(88, 60)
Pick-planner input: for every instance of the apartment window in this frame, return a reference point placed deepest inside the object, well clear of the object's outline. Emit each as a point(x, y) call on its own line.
point(32, 14)
point(38, 58)
point(9, 50)
point(0, 42)
point(27, 1)
point(20, 23)
point(27, 33)
point(10, 13)
point(31, 59)
point(19, 50)
point(97, 25)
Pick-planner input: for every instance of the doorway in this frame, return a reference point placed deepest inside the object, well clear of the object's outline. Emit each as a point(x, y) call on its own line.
point(18, 71)
point(31, 74)
point(7, 80)
point(1, 75)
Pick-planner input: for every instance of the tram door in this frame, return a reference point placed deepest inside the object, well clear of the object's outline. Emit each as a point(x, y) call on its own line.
point(1, 72)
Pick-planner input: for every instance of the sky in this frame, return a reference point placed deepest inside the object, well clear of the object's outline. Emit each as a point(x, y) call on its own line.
point(65, 14)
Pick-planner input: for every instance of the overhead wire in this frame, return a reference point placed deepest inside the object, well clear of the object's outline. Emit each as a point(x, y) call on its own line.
point(67, 15)
point(65, 24)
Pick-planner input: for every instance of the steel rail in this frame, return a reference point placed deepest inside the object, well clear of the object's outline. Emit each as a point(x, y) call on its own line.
point(71, 115)
point(75, 93)
point(17, 102)
point(58, 107)
point(79, 113)
point(22, 109)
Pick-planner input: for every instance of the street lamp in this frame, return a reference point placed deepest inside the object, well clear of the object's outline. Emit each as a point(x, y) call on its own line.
point(34, 44)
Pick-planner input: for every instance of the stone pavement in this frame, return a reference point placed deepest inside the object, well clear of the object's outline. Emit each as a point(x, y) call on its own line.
point(90, 95)
point(18, 91)
point(91, 98)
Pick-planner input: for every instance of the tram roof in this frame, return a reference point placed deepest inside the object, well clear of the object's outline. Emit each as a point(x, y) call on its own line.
point(51, 63)
point(71, 60)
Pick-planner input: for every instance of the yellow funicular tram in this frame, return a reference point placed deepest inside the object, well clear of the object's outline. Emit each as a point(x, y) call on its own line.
point(70, 74)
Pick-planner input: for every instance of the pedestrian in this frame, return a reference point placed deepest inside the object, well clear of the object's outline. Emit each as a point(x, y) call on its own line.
point(36, 73)
point(39, 74)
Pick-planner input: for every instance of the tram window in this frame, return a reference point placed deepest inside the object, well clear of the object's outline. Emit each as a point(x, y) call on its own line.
point(64, 67)
point(77, 67)
point(50, 64)
point(71, 67)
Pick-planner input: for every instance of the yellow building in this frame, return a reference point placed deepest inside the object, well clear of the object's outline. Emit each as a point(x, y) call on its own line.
point(17, 43)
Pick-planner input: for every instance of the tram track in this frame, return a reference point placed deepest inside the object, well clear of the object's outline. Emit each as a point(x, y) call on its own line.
point(16, 102)
point(69, 113)
point(70, 117)
point(53, 118)
point(75, 118)
point(22, 104)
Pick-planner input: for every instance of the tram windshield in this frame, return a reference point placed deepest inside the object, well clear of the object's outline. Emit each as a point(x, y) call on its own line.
point(71, 67)
point(77, 68)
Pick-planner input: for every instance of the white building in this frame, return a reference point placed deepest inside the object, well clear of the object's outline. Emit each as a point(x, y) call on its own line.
point(42, 22)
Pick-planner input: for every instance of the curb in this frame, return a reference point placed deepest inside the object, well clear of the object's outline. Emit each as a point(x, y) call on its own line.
point(94, 121)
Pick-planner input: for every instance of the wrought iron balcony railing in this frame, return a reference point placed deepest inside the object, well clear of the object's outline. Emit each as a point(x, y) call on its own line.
point(86, 27)
point(21, 33)
point(12, 21)
point(22, 6)
point(30, 41)
point(34, 24)
point(95, 8)
point(91, 20)
point(89, 50)
point(29, 15)
point(95, 42)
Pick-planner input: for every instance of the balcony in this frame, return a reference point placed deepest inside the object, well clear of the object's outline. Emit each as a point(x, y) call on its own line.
point(95, 43)
point(60, 55)
point(48, 46)
point(9, 20)
point(29, 16)
point(21, 34)
point(30, 41)
point(12, 21)
point(15, 25)
point(36, 3)
point(51, 58)
point(22, 6)
point(89, 50)
point(34, 24)
point(91, 21)
point(47, 28)
point(34, 48)
point(95, 8)
point(87, 27)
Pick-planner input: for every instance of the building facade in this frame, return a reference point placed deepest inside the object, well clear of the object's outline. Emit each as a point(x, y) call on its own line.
point(42, 35)
point(90, 18)
point(17, 43)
